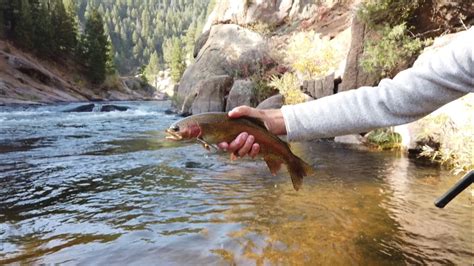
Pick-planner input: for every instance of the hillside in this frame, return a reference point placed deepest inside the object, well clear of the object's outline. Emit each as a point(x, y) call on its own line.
point(26, 79)
point(138, 29)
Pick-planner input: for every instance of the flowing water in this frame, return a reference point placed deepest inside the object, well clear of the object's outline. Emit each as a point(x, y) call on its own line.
point(106, 188)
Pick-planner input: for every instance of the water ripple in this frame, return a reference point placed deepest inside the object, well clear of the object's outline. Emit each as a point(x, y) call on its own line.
point(106, 188)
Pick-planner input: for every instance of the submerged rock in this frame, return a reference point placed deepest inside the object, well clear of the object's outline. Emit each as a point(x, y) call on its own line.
point(90, 108)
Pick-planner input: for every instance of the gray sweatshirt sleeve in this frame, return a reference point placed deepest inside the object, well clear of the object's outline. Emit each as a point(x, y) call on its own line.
point(410, 95)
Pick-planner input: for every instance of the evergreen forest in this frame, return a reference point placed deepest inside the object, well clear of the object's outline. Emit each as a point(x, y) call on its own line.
point(105, 37)
point(140, 28)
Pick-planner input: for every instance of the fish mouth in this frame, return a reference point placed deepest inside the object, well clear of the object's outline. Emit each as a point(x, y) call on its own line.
point(172, 135)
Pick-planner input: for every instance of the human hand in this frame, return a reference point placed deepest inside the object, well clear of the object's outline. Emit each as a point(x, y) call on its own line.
point(244, 144)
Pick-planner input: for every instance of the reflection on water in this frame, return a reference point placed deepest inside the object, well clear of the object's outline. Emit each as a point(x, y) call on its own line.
point(105, 188)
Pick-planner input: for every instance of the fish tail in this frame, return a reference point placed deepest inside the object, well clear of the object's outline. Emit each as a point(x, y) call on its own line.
point(298, 169)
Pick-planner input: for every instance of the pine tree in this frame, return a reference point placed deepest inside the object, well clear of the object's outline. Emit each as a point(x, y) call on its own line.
point(2, 19)
point(153, 67)
point(189, 41)
point(110, 66)
point(64, 29)
point(42, 33)
point(95, 48)
point(173, 55)
point(24, 28)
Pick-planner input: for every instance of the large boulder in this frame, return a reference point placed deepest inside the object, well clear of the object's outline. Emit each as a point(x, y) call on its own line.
point(230, 50)
point(274, 102)
point(209, 94)
point(277, 101)
point(242, 93)
point(200, 42)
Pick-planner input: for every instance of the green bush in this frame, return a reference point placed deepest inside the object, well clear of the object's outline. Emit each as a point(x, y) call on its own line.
point(262, 28)
point(393, 47)
point(262, 90)
point(396, 45)
point(112, 81)
point(385, 139)
point(387, 12)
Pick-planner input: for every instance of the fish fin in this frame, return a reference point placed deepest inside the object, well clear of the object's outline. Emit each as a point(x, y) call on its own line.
point(298, 169)
point(273, 164)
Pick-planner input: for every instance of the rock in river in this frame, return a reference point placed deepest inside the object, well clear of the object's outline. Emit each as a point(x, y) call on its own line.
point(111, 108)
point(81, 108)
point(103, 108)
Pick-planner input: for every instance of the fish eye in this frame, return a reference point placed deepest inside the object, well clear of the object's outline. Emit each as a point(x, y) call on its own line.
point(174, 128)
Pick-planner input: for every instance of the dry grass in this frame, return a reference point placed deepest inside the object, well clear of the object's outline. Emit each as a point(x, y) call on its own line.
point(456, 139)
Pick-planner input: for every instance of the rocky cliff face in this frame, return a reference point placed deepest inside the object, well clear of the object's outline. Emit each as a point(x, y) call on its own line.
point(229, 52)
point(240, 39)
point(26, 80)
point(272, 13)
point(237, 44)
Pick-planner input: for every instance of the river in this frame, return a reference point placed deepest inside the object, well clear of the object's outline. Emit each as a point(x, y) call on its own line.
point(106, 188)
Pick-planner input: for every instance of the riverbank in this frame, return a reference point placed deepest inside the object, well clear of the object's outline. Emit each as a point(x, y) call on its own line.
point(27, 79)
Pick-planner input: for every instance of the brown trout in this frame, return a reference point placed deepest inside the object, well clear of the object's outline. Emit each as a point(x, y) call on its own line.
point(213, 128)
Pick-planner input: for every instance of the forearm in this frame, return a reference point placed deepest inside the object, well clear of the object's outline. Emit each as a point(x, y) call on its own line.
point(412, 94)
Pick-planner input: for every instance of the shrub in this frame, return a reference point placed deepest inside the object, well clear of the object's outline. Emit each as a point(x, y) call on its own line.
point(288, 86)
point(394, 46)
point(456, 144)
point(385, 138)
point(262, 28)
point(387, 12)
point(262, 90)
point(112, 81)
